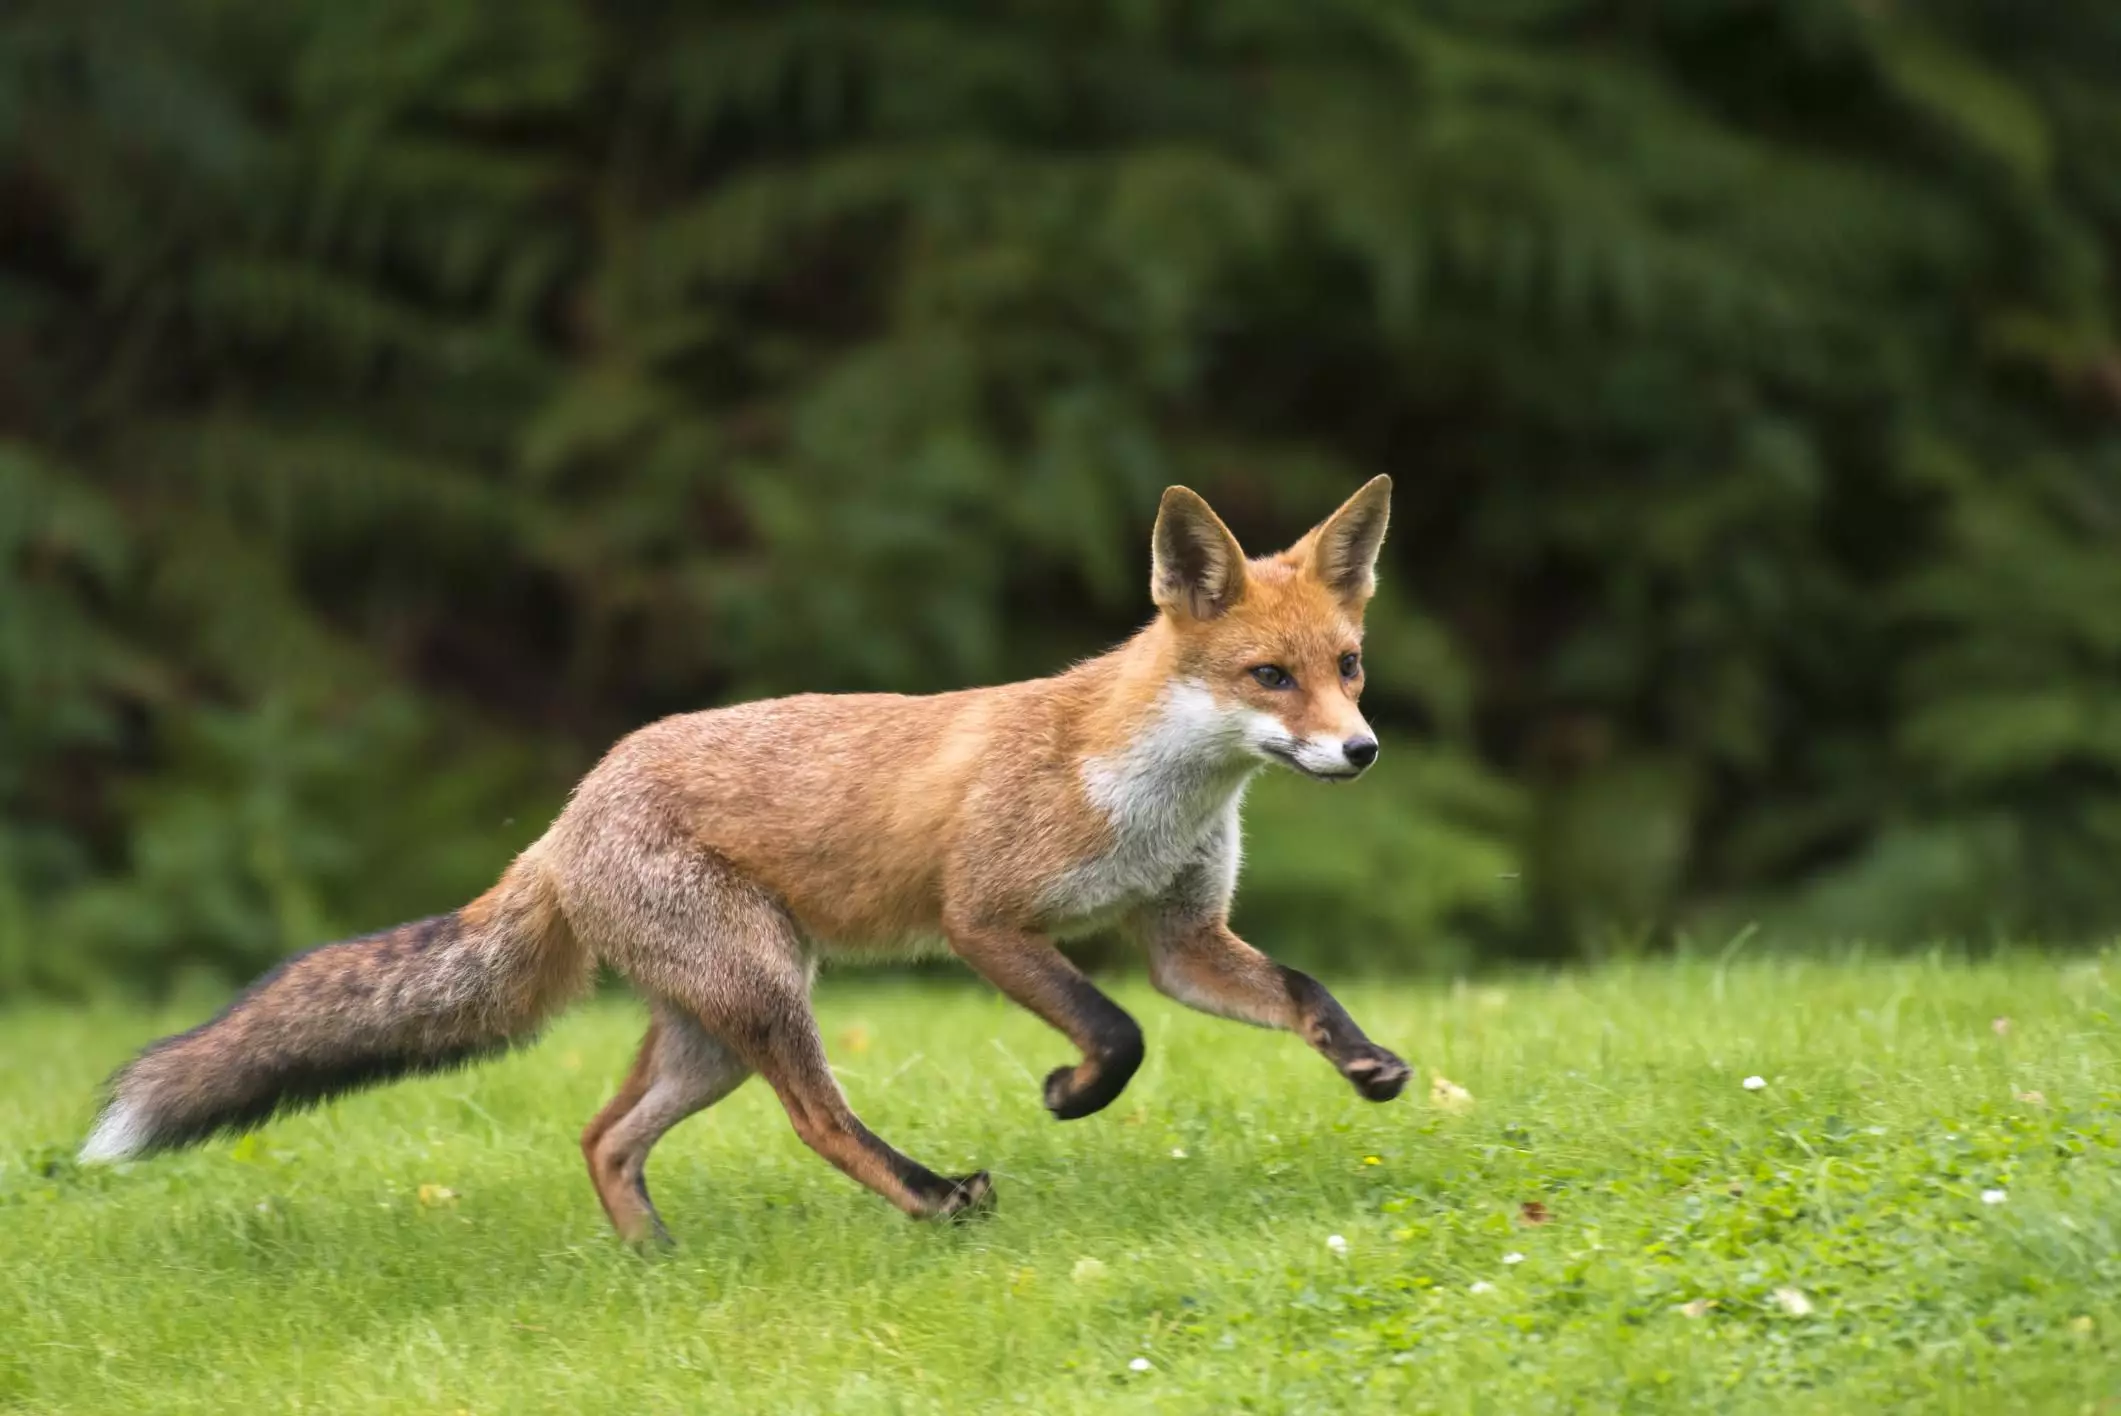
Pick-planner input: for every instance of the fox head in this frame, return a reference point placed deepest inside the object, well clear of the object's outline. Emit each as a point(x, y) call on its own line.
point(1271, 649)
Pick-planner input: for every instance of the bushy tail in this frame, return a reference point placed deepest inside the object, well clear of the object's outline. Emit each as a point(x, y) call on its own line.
point(419, 998)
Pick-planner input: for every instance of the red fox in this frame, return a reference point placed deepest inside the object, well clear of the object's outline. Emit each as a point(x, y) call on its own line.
point(713, 858)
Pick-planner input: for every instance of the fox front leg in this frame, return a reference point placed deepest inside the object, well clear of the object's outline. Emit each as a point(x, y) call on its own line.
point(1039, 977)
point(1202, 964)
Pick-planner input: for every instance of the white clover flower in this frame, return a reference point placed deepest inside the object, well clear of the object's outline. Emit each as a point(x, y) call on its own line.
point(1994, 1197)
point(1753, 1084)
point(1337, 1244)
point(1139, 1364)
point(1483, 1287)
point(1513, 1258)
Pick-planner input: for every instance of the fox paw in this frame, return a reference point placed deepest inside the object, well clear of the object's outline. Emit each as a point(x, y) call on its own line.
point(1376, 1074)
point(970, 1197)
point(1070, 1097)
point(1061, 1095)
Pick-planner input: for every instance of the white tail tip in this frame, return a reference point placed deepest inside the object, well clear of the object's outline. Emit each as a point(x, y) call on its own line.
point(119, 1135)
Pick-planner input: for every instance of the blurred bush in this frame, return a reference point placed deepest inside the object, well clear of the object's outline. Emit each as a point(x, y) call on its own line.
point(399, 399)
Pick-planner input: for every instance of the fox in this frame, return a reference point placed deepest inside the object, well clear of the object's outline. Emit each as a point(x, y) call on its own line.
point(714, 859)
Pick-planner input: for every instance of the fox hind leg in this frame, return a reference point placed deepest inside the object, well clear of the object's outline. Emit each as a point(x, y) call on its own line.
point(775, 1033)
point(681, 1070)
point(733, 962)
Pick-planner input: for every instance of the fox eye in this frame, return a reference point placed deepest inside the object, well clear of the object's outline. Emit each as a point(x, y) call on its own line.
point(1350, 664)
point(1273, 676)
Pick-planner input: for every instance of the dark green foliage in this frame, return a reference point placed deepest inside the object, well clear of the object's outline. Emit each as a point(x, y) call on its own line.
point(400, 399)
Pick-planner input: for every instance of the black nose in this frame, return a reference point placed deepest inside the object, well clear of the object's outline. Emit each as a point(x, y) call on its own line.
point(1361, 751)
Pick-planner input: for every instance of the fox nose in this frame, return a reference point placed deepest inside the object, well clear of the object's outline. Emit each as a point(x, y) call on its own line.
point(1361, 751)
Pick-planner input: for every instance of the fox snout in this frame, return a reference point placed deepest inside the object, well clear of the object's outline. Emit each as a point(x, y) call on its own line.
point(1337, 756)
point(1332, 757)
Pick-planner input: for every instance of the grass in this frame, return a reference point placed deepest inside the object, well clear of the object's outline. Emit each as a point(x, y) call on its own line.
point(1819, 1244)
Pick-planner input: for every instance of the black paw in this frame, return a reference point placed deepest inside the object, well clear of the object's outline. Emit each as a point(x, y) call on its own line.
point(1072, 1092)
point(1069, 1099)
point(1062, 1097)
point(1377, 1074)
point(971, 1197)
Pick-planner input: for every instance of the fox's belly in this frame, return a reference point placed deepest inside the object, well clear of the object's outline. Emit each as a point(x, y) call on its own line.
point(879, 949)
point(844, 910)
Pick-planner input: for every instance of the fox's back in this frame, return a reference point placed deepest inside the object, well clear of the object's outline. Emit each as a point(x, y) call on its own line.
point(848, 807)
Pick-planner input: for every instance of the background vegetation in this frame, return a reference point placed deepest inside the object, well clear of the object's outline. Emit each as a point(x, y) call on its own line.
point(401, 399)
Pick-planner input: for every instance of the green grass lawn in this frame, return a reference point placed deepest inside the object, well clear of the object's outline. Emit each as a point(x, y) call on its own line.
point(1821, 1242)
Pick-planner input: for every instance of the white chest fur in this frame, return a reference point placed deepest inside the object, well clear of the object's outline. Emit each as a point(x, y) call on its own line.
point(1171, 797)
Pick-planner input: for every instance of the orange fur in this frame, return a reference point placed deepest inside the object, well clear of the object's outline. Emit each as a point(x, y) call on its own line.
point(715, 857)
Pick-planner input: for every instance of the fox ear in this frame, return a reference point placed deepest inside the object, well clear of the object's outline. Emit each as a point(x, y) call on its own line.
point(1196, 566)
point(1343, 551)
